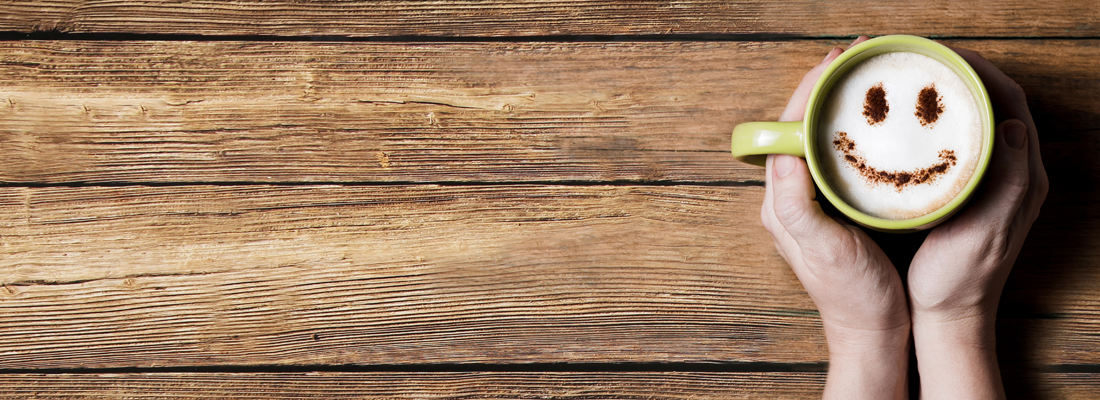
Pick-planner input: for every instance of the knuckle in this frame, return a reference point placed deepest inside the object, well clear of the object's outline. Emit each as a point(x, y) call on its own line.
point(1018, 180)
point(1042, 187)
point(789, 210)
point(996, 250)
point(840, 254)
point(1018, 92)
point(853, 240)
point(764, 219)
point(988, 249)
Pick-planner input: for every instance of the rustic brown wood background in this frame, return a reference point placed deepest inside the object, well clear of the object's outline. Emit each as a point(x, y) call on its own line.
point(467, 199)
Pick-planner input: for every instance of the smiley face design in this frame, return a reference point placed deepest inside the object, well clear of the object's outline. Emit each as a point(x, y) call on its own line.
point(875, 110)
point(900, 132)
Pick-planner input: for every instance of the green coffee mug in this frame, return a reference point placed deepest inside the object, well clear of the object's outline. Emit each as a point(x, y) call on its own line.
point(753, 141)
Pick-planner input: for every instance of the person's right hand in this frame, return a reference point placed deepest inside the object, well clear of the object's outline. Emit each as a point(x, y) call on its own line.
point(858, 292)
point(956, 278)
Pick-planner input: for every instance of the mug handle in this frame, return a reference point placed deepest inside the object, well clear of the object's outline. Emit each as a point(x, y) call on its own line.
point(753, 141)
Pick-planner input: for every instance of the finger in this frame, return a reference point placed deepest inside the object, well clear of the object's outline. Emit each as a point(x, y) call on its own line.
point(860, 39)
point(766, 215)
point(1010, 102)
point(1037, 181)
point(1002, 89)
point(1006, 182)
point(1008, 98)
point(796, 107)
point(794, 206)
point(782, 239)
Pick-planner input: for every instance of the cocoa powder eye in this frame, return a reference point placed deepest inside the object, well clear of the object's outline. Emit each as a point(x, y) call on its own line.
point(880, 158)
point(929, 106)
point(874, 105)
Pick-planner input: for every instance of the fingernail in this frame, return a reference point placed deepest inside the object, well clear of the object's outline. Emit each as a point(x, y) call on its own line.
point(865, 37)
point(783, 165)
point(834, 50)
point(1015, 134)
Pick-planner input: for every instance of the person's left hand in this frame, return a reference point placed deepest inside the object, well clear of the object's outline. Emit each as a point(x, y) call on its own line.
point(856, 288)
point(956, 277)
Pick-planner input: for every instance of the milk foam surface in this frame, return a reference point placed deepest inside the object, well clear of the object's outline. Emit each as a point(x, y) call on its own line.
point(899, 143)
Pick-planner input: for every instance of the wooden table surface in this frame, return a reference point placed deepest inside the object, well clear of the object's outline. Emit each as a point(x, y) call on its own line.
point(467, 199)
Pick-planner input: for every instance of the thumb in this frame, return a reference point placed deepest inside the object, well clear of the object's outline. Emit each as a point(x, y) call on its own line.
point(797, 105)
point(1007, 179)
point(794, 203)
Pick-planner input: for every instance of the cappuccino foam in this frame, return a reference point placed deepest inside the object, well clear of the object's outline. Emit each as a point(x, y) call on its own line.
point(899, 136)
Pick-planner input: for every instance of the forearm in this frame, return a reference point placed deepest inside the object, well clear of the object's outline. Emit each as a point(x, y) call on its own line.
point(868, 365)
point(957, 358)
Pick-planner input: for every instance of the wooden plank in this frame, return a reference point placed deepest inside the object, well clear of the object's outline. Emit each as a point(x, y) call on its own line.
point(530, 17)
point(433, 385)
point(142, 276)
point(260, 275)
point(1049, 309)
point(271, 112)
point(458, 112)
point(1057, 386)
point(463, 385)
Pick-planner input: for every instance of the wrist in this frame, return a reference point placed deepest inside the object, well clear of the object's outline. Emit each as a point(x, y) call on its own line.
point(867, 364)
point(957, 355)
point(973, 327)
point(854, 343)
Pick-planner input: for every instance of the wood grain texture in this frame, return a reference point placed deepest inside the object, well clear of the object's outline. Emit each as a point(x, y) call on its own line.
point(461, 385)
point(238, 275)
point(539, 18)
point(480, 385)
point(271, 112)
point(143, 276)
point(473, 112)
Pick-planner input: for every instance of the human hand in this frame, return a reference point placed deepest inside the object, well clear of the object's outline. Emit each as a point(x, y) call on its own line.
point(956, 277)
point(856, 288)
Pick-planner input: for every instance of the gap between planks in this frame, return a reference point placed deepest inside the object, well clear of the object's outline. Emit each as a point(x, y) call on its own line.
point(530, 18)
